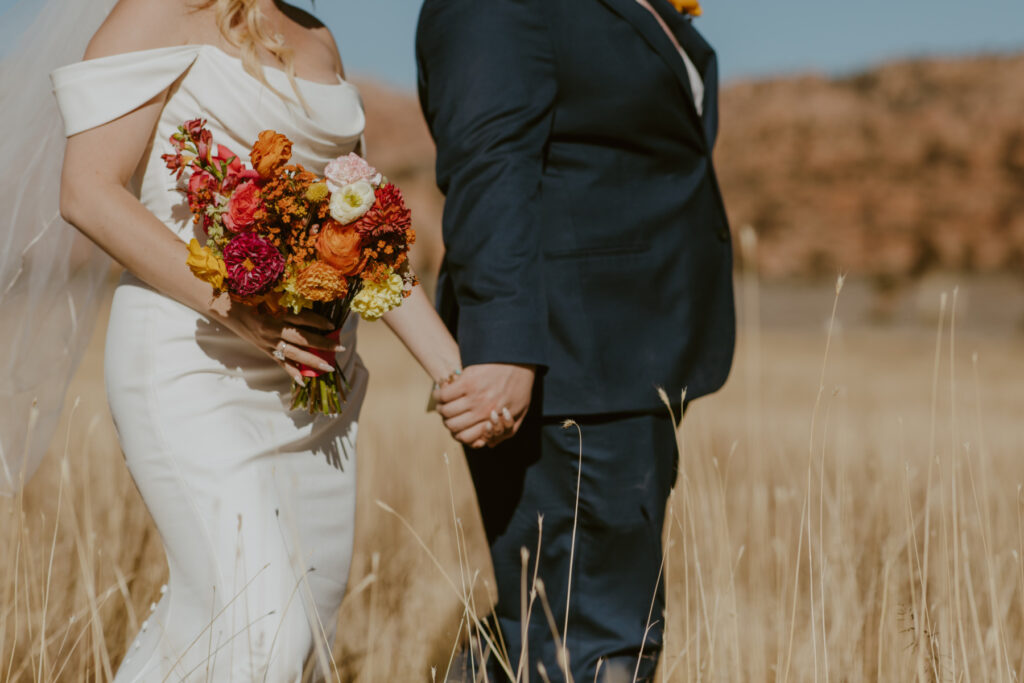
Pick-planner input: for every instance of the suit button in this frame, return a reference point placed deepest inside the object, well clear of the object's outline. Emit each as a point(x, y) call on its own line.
point(723, 234)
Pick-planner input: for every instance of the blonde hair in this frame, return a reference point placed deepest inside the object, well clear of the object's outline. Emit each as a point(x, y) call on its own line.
point(242, 24)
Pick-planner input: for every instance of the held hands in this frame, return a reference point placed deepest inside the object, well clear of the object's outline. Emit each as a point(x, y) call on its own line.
point(486, 404)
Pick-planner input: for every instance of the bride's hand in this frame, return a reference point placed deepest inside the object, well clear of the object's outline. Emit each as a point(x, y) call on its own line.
point(288, 340)
point(485, 404)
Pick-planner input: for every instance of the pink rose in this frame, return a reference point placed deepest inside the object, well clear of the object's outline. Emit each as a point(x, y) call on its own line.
point(349, 169)
point(242, 207)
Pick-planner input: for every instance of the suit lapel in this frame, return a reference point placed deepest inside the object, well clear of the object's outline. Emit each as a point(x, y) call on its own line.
point(647, 26)
point(696, 47)
point(703, 57)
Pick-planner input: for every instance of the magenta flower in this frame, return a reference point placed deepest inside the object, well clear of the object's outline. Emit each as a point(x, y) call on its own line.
point(253, 264)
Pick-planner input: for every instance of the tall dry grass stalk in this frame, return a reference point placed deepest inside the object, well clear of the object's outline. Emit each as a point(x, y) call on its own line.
point(849, 508)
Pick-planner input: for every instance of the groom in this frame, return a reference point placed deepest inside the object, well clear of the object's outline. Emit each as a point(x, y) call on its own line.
point(588, 263)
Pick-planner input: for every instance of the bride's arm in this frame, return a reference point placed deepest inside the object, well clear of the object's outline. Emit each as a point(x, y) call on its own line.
point(418, 326)
point(98, 165)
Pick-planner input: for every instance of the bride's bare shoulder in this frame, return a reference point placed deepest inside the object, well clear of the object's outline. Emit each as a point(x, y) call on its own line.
point(323, 39)
point(135, 25)
point(329, 49)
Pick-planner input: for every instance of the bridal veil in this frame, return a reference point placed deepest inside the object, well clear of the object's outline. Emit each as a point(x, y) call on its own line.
point(51, 277)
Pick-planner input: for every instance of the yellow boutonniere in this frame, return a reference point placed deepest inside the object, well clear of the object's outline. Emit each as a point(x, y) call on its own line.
point(691, 7)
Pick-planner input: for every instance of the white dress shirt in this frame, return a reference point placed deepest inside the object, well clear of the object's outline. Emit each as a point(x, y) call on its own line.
point(696, 82)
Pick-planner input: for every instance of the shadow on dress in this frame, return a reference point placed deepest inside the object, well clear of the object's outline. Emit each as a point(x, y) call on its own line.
point(323, 436)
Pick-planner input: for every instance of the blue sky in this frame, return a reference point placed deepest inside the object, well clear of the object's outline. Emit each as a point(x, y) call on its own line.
point(753, 37)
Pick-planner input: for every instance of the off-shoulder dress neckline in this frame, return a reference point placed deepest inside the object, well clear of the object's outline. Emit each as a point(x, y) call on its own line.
point(278, 72)
point(237, 61)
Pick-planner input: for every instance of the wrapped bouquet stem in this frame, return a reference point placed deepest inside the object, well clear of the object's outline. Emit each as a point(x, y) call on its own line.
point(324, 392)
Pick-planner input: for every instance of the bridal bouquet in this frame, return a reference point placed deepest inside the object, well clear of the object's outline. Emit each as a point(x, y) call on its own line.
point(282, 238)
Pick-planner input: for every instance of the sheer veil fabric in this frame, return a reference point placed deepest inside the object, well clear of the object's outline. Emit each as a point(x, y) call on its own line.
point(51, 276)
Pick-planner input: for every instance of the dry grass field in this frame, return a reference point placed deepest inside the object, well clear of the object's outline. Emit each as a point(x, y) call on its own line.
point(848, 509)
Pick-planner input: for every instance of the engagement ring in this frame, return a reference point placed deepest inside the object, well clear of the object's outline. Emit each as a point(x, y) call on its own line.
point(279, 352)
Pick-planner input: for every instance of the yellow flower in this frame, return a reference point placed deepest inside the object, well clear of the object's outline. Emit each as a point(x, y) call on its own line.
point(691, 7)
point(377, 298)
point(205, 265)
point(317, 192)
point(290, 297)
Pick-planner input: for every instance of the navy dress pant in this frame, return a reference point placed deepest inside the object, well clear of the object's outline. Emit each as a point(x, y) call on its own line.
point(629, 466)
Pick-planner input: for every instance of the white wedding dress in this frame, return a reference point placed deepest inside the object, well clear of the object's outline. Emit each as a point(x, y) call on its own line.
point(255, 504)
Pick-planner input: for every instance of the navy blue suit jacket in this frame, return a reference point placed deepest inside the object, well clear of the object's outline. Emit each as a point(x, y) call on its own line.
point(584, 227)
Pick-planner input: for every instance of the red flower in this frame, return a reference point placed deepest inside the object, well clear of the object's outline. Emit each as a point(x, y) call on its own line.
point(242, 207)
point(232, 179)
point(203, 144)
point(388, 215)
point(236, 173)
point(201, 186)
point(253, 264)
point(224, 154)
point(194, 127)
point(175, 163)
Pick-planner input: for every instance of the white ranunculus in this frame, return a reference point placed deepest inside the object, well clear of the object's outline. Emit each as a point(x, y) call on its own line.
point(351, 202)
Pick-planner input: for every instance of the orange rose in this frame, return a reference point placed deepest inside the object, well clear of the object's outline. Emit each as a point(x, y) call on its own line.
point(341, 246)
point(270, 152)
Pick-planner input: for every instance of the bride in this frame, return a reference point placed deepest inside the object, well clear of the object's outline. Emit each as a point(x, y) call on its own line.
point(254, 503)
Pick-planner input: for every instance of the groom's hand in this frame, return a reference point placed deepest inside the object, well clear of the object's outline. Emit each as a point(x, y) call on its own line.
point(482, 392)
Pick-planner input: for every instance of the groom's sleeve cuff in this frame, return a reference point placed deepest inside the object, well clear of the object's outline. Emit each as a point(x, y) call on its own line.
point(520, 342)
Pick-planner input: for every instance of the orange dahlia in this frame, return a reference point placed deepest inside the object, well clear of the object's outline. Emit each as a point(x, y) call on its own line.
point(320, 282)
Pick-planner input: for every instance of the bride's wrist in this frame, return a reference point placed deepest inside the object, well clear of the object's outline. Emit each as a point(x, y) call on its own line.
point(220, 307)
point(447, 378)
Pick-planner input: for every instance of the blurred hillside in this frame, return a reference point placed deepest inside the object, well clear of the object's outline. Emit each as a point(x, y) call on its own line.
point(909, 167)
point(904, 169)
